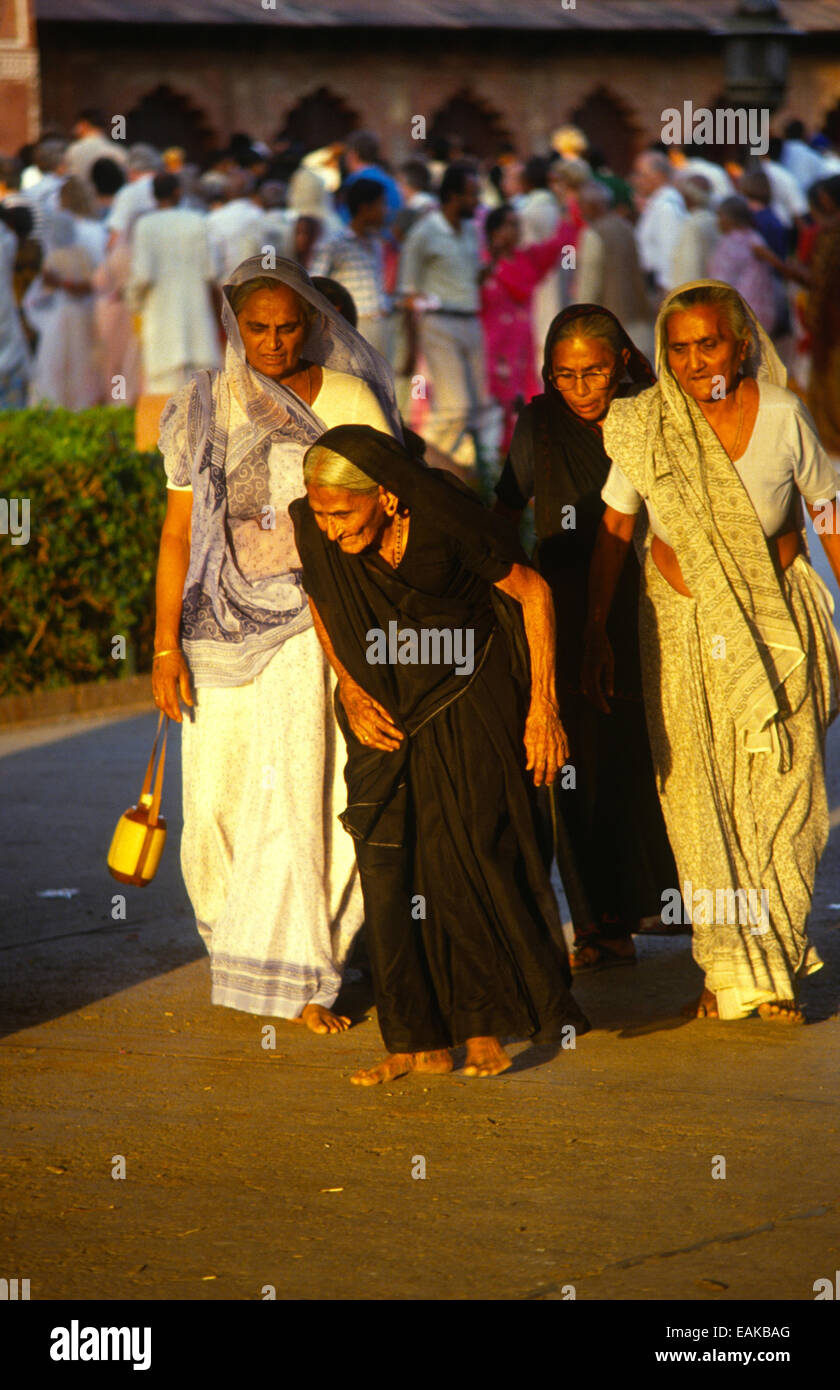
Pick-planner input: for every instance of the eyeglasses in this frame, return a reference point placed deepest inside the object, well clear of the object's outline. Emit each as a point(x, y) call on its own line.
point(596, 378)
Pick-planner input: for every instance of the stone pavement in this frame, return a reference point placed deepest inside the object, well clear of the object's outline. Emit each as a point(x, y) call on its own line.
point(247, 1167)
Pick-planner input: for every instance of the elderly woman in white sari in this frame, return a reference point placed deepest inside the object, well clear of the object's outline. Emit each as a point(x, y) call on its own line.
point(739, 654)
point(270, 872)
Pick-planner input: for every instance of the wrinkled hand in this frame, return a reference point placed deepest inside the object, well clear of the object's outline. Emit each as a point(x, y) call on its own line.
point(598, 668)
point(171, 678)
point(370, 721)
point(545, 741)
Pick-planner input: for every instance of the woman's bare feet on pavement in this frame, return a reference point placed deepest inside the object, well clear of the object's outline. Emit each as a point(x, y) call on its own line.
point(399, 1063)
point(321, 1020)
point(704, 1007)
point(485, 1057)
point(780, 1011)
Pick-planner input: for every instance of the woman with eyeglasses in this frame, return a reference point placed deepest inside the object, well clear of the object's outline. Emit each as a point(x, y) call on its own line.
point(609, 836)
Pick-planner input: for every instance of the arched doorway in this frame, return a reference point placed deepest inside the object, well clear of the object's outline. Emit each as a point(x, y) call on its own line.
point(319, 119)
point(608, 126)
point(164, 118)
point(478, 128)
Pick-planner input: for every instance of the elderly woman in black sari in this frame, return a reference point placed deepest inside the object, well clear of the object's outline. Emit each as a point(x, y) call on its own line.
point(610, 840)
point(403, 569)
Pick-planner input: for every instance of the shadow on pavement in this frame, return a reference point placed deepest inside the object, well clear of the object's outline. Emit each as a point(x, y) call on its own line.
point(59, 803)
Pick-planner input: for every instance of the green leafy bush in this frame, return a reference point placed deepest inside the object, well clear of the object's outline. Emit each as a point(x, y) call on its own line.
point(86, 574)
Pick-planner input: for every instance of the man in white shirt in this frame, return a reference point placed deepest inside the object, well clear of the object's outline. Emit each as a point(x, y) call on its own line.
point(539, 214)
point(699, 231)
point(660, 220)
point(799, 159)
point(171, 285)
point(788, 201)
point(235, 230)
point(438, 279)
point(136, 197)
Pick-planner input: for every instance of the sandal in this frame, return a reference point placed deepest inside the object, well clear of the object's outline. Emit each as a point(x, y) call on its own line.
point(592, 955)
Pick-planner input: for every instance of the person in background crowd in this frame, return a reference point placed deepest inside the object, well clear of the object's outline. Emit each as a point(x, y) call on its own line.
point(687, 162)
point(508, 283)
point(439, 271)
point(621, 194)
point(14, 353)
point(28, 260)
point(172, 288)
point(804, 163)
point(91, 143)
point(278, 224)
point(662, 212)
point(355, 259)
point(788, 199)
point(734, 261)
point(608, 269)
point(539, 217)
point(234, 231)
point(107, 178)
point(822, 314)
point(136, 197)
point(59, 305)
point(414, 181)
point(362, 160)
point(42, 195)
point(337, 296)
point(698, 233)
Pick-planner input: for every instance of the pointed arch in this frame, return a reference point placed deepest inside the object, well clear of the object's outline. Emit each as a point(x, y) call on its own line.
point(608, 125)
point(471, 120)
point(164, 117)
point(320, 118)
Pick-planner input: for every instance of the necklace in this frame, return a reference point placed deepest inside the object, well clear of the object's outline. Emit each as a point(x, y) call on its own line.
point(740, 395)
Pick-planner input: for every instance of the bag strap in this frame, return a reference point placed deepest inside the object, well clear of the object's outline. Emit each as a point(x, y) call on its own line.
point(154, 809)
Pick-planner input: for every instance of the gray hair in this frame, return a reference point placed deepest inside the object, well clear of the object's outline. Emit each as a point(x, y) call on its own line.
point(323, 467)
point(144, 159)
point(696, 190)
point(240, 294)
point(721, 297)
point(592, 326)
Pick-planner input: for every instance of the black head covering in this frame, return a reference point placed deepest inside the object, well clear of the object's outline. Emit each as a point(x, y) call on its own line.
point(569, 458)
point(431, 492)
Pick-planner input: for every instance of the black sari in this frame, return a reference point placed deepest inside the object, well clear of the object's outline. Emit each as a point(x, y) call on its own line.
point(458, 906)
point(611, 844)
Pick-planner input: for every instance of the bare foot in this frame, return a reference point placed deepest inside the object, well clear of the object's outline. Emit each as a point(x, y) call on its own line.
point(704, 1007)
point(440, 1061)
point(321, 1020)
point(485, 1057)
point(398, 1063)
point(780, 1011)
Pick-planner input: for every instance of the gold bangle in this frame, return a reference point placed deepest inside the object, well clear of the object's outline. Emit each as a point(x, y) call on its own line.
point(170, 651)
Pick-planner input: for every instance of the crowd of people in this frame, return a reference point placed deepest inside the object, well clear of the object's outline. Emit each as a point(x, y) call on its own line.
point(115, 256)
point(644, 703)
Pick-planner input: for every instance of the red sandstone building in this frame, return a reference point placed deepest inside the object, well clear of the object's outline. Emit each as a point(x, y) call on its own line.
point(193, 71)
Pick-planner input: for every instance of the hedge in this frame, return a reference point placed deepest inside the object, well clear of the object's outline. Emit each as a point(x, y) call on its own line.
point(86, 574)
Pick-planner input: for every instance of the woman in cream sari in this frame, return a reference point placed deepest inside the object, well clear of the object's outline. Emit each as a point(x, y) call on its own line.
point(739, 655)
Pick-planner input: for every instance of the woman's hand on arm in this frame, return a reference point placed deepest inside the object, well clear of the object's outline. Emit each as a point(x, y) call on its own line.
point(170, 673)
point(827, 527)
point(371, 723)
point(546, 744)
point(608, 556)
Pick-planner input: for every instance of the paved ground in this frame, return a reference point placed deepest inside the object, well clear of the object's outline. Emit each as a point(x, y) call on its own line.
point(247, 1167)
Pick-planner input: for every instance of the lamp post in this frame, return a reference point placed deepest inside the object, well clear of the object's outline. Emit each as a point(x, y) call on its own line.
point(756, 54)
